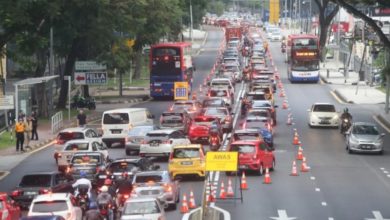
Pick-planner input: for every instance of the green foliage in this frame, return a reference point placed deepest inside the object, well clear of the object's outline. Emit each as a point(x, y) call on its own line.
point(216, 7)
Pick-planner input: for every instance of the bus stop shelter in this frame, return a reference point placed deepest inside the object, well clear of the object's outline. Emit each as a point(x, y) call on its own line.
point(23, 93)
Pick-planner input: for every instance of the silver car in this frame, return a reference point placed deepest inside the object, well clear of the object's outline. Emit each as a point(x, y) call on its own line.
point(157, 184)
point(143, 208)
point(136, 136)
point(364, 137)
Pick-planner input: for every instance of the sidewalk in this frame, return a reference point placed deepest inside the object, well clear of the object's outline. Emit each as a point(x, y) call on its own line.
point(350, 90)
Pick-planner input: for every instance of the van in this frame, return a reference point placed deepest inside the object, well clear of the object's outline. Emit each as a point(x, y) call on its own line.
point(117, 123)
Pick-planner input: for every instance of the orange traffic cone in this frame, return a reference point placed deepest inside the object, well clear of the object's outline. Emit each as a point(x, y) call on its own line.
point(209, 196)
point(192, 200)
point(267, 177)
point(230, 192)
point(296, 138)
point(244, 185)
point(300, 153)
point(184, 205)
point(200, 88)
point(222, 193)
point(304, 167)
point(294, 171)
point(284, 106)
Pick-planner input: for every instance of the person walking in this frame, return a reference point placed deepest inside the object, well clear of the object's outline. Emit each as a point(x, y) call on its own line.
point(19, 131)
point(81, 119)
point(34, 120)
point(27, 131)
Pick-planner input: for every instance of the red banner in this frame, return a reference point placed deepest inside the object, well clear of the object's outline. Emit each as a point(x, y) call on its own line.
point(344, 27)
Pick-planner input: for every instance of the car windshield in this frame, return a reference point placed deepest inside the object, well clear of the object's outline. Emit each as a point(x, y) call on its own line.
point(258, 113)
point(50, 206)
point(140, 131)
point(245, 149)
point(157, 135)
point(324, 108)
point(67, 136)
point(365, 129)
point(215, 111)
point(122, 167)
point(76, 146)
point(141, 208)
point(171, 120)
point(186, 153)
point(182, 105)
point(261, 105)
point(254, 124)
point(213, 102)
point(116, 118)
point(85, 159)
point(36, 181)
point(220, 83)
point(231, 68)
point(148, 178)
point(218, 93)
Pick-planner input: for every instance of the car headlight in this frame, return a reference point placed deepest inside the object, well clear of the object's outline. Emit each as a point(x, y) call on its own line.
point(335, 117)
point(353, 139)
point(313, 116)
point(379, 141)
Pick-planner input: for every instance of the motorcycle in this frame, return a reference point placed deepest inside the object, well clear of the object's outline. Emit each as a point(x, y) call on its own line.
point(345, 125)
point(82, 102)
point(106, 210)
point(214, 143)
point(82, 199)
point(283, 48)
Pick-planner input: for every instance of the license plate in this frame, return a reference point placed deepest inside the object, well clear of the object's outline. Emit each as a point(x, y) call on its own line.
point(154, 144)
point(116, 131)
point(186, 163)
point(102, 176)
point(366, 147)
point(243, 166)
point(324, 122)
point(30, 193)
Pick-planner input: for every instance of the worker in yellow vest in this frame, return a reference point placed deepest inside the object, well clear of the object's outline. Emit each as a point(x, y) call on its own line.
point(19, 131)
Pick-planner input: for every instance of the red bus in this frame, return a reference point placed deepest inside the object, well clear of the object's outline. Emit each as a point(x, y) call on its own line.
point(303, 56)
point(169, 63)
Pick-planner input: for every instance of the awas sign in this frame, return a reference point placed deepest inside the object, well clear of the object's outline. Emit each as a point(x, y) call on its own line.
point(90, 73)
point(221, 161)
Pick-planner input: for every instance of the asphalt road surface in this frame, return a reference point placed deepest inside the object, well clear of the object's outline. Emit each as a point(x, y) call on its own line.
point(339, 186)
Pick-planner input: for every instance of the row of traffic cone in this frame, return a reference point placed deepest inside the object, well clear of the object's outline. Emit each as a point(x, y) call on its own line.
point(186, 206)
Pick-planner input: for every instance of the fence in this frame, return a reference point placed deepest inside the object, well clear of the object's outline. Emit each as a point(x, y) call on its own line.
point(56, 122)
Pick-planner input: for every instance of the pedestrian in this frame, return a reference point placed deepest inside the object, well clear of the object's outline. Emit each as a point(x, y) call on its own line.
point(81, 119)
point(34, 120)
point(27, 131)
point(19, 131)
point(21, 115)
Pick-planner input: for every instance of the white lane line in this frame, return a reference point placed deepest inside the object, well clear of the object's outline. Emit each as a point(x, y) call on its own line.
point(318, 189)
point(312, 178)
point(330, 218)
point(4, 175)
point(385, 172)
point(324, 204)
point(382, 168)
point(336, 97)
point(388, 175)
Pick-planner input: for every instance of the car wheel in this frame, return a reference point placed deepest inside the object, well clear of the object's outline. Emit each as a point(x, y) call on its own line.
point(228, 173)
point(172, 206)
point(349, 151)
point(261, 170)
point(380, 152)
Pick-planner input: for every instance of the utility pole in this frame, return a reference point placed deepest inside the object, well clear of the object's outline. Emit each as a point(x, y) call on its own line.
point(51, 69)
point(191, 25)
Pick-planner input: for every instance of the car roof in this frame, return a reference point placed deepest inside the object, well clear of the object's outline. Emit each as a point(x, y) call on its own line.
point(124, 110)
point(88, 152)
point(247, 142)
point(74, 129)
point(156, 172)
point(187, 146)
point(52, 196)
point(79, 141)
point(323, 103)
point(256, 118)
point(241, 131)
point(162, 131)
point(140, 199)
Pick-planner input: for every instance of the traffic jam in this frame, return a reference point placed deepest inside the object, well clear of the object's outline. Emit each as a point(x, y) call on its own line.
point(234, 110)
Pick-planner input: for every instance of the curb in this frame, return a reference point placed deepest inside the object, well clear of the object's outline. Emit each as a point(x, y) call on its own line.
point(383, 120)
point(342, 97)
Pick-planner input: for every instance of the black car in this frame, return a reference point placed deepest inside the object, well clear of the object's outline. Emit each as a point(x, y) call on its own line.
point(89, 163)
point(38, 183)
point(116, 168)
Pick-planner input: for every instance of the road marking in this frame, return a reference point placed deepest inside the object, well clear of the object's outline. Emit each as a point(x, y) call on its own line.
point(337, 98)
point(382, 168)
point(385, 172)
point(282, 215)
point(312, 178)
point(377, 216)
point(388, 175)
point(318, 189)
point(330, 218)
point(381, 124)
point(4, 175)
point(324, 204)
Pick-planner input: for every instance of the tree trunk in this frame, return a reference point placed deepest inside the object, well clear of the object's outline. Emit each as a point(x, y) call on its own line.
point(69, 66)
point(40, 93)
point(323, 36)
point(138, 64)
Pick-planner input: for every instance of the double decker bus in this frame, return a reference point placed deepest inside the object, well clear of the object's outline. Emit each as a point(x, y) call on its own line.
point(169, 63)
point(303, 56)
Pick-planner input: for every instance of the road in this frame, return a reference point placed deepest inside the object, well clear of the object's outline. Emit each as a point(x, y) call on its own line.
point(339, 186)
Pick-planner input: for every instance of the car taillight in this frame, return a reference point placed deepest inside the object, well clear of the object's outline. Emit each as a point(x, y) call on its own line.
point(171, 156)
point(126, 196)
point(68, 169)
point(16, 192)
point(59, 155)
point(254, 156)
point(168, 188)
point(244, 125)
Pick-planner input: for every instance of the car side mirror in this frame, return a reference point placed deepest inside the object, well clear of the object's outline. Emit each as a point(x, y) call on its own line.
point(383, 134)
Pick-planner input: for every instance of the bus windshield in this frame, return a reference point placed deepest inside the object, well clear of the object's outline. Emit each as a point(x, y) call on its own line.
point(166, 61)
point(308, 43)
point(309, 65)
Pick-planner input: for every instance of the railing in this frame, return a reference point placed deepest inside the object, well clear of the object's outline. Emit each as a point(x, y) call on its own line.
point(56, 122)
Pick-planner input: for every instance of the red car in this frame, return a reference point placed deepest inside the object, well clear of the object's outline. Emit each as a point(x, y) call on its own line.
point(8, 208)
point(200, 128)
point(253, 155)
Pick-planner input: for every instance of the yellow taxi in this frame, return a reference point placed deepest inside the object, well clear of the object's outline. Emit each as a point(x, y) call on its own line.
point(187, 160)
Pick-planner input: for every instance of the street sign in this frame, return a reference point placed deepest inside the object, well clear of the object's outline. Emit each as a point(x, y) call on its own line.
point(7, 102)
point(221, 161)
point(181, 91)
point(90, 73)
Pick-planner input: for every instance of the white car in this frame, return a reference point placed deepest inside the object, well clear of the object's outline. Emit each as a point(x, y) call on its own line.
point(222, 82)
point(323, 115)
point(86, 145)
point(55, 204)
point(143, 208)
point(276, 35)
point(160, 142)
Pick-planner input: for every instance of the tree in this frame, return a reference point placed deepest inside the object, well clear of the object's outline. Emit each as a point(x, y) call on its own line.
point(326, 15)
point(216, 7)
point(198, 11)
